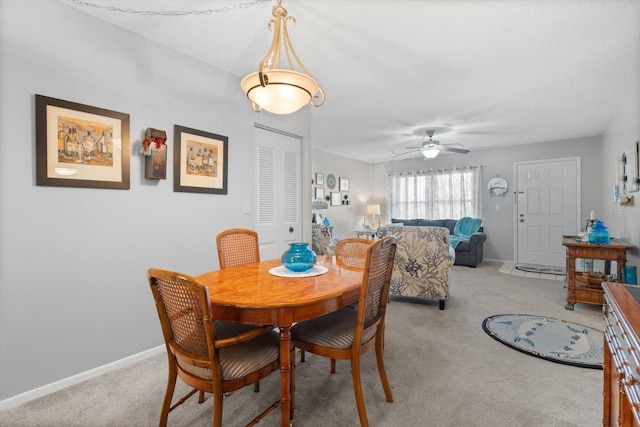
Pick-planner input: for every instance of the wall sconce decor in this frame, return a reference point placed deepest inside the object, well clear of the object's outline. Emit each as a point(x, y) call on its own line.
point(154, 147)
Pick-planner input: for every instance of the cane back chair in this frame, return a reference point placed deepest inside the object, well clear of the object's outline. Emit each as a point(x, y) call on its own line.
point(210, 356)
point(352, 253)
point(347, 333)
point(237, 246)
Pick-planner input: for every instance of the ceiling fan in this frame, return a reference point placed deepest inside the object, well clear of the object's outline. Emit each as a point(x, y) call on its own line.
point(430, 149)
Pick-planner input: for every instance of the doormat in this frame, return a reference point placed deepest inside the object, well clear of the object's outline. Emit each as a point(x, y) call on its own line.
point(548, 338)
point(542, 269)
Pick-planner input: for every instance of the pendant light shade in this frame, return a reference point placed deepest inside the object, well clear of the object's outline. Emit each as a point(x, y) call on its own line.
point(281, 88)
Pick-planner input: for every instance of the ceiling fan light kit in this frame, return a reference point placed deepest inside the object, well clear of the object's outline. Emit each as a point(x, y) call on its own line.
point(430, 152)
point(430, 149)
point(278, 89)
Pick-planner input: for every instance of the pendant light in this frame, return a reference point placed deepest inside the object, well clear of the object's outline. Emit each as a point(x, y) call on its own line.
point(277, 87)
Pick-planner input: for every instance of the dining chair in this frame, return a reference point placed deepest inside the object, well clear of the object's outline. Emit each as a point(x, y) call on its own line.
point(237, 246)
point(348, 334)
point(351, 253)
point(210, 356)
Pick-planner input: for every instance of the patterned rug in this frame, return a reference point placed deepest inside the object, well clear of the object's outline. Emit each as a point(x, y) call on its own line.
point(542, 269)
point(547, 338)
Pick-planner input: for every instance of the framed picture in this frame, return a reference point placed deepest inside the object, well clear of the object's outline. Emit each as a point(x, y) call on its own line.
point(200, 161)
point(319, 193)
point(81, 146)
point(336, 200)
point(319, 179)
point(344, 184)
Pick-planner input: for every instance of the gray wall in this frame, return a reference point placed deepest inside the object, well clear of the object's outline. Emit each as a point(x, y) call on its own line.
point(73, 262)
point(623, 130)
point(345, 218)
point(498, 224)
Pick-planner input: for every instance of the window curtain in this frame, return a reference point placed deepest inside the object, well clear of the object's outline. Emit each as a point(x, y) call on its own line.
point(435, 194)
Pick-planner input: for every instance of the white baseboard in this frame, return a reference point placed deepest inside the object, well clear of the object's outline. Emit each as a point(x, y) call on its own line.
point(27, 396)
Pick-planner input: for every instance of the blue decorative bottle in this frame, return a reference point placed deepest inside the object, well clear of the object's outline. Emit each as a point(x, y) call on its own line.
point(599, 235)
point(299, 257)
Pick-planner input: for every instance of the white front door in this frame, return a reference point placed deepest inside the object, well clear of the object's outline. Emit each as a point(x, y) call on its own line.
point(279, 207)
point(548, 200)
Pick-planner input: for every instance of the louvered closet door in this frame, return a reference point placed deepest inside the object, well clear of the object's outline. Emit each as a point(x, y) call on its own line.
point(278, 196)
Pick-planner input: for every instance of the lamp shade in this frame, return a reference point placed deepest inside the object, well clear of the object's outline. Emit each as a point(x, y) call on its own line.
point(373, 209)
point(430, 153)
point(286, 91)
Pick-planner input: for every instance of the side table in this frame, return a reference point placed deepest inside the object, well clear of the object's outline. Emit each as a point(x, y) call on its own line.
point(580, 292)
point(368, 234)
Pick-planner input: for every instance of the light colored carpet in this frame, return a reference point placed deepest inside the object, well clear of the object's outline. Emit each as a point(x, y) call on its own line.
point(443, 369)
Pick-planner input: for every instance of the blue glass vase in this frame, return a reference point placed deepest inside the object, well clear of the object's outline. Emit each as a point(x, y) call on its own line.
point(599, 235)
point(299, 257)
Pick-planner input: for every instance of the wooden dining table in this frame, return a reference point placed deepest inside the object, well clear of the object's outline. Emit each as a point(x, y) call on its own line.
point(250, 294)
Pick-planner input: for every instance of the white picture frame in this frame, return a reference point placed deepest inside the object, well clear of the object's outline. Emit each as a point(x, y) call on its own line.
point(319, 193)
point(336, 198)
point(319, 179)
point(343, 184)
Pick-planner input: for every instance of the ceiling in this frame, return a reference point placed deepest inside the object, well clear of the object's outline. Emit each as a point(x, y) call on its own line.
point(484, 74)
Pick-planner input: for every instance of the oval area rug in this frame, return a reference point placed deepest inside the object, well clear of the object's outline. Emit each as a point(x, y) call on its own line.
point(548, 338)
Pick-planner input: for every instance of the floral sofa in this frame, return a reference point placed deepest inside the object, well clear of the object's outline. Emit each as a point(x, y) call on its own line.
point(322, 242)
point(422, 263)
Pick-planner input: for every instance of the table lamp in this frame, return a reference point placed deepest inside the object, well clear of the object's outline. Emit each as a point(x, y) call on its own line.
point(373, 210)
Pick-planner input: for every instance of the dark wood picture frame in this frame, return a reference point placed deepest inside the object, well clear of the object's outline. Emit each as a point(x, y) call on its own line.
point(200, 162)
point(79, 145)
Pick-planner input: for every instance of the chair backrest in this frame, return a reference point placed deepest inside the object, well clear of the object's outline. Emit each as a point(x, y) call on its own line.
point(352, 253)
point(376, 281)
point(237, 246)
point(185, 315)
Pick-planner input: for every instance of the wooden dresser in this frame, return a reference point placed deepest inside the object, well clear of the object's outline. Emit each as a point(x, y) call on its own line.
point(621, 392)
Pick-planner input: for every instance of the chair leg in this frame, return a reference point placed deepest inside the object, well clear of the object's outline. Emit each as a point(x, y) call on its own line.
point(381, 370)
point(168, 396)
point(201, 397)
point(302, 356)
point(333, 366)
point(256, 386)
point(217, 409)
point(357, 388)
point(441, 304)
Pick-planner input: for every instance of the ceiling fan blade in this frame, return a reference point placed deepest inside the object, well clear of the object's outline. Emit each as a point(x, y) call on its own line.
point(453, 150)
point(412, 150)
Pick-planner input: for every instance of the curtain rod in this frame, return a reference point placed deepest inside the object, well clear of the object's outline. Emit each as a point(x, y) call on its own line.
point(437, 170)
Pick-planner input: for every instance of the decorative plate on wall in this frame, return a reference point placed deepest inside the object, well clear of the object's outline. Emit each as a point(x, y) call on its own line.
point(498, 187)
point(331, 181)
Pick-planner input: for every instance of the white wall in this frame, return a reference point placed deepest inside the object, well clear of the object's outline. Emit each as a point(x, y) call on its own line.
point(498, 224)
point(73, 262)
point(623, 130)
point(345, 218)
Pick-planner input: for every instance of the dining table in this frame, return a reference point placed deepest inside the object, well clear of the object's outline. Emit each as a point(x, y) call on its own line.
point(253, 294)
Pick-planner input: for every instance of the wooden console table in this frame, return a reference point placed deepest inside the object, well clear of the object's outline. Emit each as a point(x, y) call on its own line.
point(580, 292)
point(621, 391)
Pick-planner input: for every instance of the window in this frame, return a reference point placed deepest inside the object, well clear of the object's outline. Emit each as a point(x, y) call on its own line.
point(434, 194)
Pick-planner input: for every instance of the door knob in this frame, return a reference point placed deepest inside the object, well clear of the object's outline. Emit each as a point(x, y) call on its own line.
point(290, 229)
point(521, 215)
point(521, 220)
